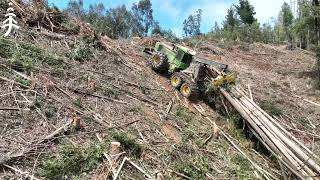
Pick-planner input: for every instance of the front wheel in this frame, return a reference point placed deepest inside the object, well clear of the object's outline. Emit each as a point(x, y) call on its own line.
point(159, 62)
point(189, 90)
point(176, 80)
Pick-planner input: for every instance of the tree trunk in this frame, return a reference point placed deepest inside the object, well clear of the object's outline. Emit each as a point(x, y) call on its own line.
point(308, 39)
point(317, 19)
point(318, 36)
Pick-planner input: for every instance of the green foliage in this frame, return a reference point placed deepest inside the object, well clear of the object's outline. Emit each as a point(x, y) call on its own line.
point(20, 61)
point(237, 128)
point(267, 33)
point(50, 111)
point(78, 103)
point(75, 9)
point(25, 56)
point(243, 166)
point(115, 22)
point(71, 26)
point(71, 161)
point(128, 144)
point(23, 81)
point(95, 13)
point(286, 15)
point(191, 25)
point(183, 114)
point(270, 107)
point(241, 25)
point(6, 47)
point(194, 167)
point(118, 22)
point(142, 18)
point(82, 51)
point(38, 102)
point(231, 20)
point(287, 20)
point(246, 12)
point(168, 34)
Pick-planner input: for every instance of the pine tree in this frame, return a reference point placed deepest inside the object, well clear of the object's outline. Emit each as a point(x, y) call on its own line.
point(231, 20)
point(246, 12)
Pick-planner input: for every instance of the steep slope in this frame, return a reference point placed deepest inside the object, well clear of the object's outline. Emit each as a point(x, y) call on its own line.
point(105, 89)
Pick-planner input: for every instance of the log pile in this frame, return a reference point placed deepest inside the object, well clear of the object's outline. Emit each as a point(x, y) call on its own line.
point(291, 153)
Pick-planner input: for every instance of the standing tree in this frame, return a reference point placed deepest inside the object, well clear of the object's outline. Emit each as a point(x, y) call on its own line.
point(303, 24)
point(96, 17)
point(118, 22)
point(191, 25)
point(246, 12)
point(287, 20)
point(316, 12)
point(142, 18)
point(75, 9)
point(231, 20)
point(156, 29)
point(267, 33)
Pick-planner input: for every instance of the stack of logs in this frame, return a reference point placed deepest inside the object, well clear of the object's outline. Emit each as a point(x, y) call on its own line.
point(291, 153)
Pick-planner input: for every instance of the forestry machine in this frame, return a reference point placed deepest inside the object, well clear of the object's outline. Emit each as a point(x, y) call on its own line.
point(189, 74)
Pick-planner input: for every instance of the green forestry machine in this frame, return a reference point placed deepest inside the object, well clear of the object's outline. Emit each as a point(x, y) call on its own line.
point(189, 74)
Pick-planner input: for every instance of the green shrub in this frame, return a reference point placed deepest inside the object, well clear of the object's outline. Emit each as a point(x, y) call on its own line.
point(243, 167)
point(78, 103)
point(23, 81)
point(183, 114)
point(70, 26)
point(128, 144)
point(195, 168)
point(6, 48)
point(271, 108)
point(21, 62)
point(72, 161)
point(82, 51)
point(25, 56)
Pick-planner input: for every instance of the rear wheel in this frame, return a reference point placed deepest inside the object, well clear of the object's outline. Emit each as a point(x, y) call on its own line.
point(189, 90)
point(176, 80)
point(159, 62)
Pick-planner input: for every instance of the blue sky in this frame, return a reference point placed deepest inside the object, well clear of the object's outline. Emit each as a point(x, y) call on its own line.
point(171, 13)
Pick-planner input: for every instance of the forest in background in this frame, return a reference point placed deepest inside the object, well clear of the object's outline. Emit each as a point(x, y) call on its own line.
point(297, 24)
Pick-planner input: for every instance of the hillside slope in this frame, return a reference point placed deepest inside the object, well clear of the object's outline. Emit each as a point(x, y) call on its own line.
point(106, 88)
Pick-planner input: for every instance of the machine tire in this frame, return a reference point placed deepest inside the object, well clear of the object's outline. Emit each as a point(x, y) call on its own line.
point(176, 80)
point(159, 62)
point(189, 90)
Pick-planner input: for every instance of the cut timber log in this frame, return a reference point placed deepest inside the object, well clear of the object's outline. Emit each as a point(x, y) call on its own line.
point(293, 154)
point(288, 142)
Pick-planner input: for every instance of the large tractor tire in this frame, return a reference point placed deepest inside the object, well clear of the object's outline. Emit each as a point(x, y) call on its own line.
point(176, 80)
point(159, 62)
point(189, 90)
